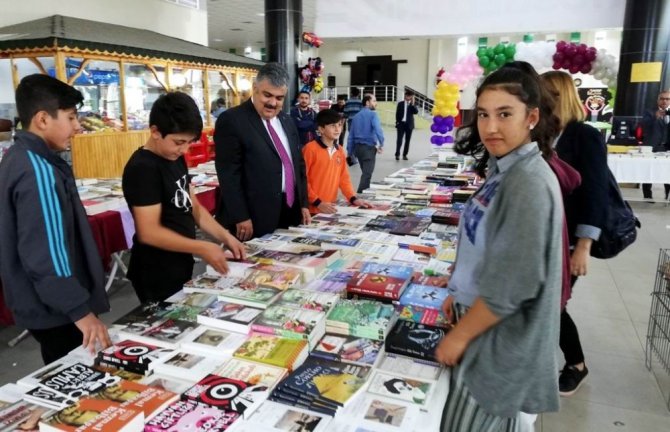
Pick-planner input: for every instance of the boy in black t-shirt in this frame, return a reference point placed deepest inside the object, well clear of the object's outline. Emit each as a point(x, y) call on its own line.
point(166, 211)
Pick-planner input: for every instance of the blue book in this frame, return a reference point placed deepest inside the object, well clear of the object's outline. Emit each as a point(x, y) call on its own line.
point(429, 297)
point(386, 269)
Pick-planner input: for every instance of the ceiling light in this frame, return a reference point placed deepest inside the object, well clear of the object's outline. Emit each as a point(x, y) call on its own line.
point(247, 50)
point(218, 40)
point(236, 29)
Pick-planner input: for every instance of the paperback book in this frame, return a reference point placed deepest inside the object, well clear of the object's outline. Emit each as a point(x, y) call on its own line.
point(410, 390)
point(227, 394)
point(132, 356)
point(210, 341)
point(414, 340)
point(271, 276)
point(187, 365)
point(360, 318)
point(291, 323)
point(166, 333)
point(349, 349)
point(190, 416)
point(377, 285)
point(229, 316)
point(273, 350)
point(252, 372)
point(275, 417)
point(305, 299)
point(94, 415)
point(255, 296)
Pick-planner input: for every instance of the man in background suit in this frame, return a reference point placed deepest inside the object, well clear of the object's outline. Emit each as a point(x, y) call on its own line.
point(404, 123)
point(655, 131)
point(258, 161)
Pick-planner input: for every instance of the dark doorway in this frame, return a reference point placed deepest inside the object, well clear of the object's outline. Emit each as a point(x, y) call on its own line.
point(374, 70)
point(374, 74)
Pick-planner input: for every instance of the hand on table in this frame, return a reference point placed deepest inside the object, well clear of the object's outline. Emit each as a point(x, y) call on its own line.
point(94, 331)
point(244, 230)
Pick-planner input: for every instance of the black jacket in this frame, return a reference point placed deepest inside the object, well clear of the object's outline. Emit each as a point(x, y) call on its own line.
point(654, 132)
point(250, 170)
point(583, 148)
point(400, 110)
point(49, 263)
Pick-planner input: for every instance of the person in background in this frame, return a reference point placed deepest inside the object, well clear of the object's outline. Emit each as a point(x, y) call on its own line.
point(305, 118)
point(655, 125)
point(339, 107)
point(584, 149)
point(404, 123)
point(164, 207)
point(327, 171)
point(506, 310)
point(220, 108)
point(49, 262)
point(366, 139)
point(259, 163)
point(352, 106)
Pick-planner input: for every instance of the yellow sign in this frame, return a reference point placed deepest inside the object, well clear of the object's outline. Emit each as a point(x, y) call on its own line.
point(646, 72)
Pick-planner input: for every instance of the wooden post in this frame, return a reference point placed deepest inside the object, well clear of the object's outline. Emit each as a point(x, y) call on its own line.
point(15, 73)
point(168, 76)
point(205, 84)
point(39, 65)
point(122, 94)
point(61, 74)
point(74, 77)
point(236, 94)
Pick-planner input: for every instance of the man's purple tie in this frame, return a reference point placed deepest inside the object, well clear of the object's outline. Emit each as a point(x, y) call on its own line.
point(286, 162)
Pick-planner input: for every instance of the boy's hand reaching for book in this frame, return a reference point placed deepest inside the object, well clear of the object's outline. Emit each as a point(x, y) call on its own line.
point(214, 255)
point(234, 246)
point(95, 333)
point(327, 208)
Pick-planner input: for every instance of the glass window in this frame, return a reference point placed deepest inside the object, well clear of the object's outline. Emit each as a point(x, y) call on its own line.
point(190, 81)
point(98, 81)
point(7, 102)
point(220, 93)
point(142, 88)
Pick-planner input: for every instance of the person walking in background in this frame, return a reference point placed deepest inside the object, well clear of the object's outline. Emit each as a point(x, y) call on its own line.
point(259, 163)
point(339, 107)
point(220, 108)
point(404, 123)
point(366, 139)
point(305, 118)
point(352, 106)
point(584, 149)
point(506, 310)
point(655, 125)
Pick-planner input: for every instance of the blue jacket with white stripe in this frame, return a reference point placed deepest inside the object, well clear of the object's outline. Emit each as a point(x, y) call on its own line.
point(49, 263)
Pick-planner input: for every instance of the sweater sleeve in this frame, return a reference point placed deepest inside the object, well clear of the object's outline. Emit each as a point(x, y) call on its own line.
point(43, 247)
point(518, 227)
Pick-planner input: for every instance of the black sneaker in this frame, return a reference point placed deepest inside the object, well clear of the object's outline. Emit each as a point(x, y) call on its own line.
point(571, 379)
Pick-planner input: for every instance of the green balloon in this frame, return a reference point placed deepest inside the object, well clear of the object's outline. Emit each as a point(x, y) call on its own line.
point(484, 61)
point(490, 52)
point(500, 59)
point(481, 52)
point(510, 50)
point(499, 49)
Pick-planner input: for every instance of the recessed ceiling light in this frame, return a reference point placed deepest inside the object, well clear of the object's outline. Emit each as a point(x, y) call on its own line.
point(236, 29)
point(404, 38)
point(247, 22)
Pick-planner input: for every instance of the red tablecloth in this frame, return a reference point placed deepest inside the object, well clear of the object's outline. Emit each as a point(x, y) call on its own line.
point(108, 234)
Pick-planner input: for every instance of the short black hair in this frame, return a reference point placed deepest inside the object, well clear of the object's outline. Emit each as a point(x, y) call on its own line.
point(39, 92)
point(275, 73)
point(355, 92)
point(409, 93)
point(342, 97)
point(327, 117)
point(304, 92)
point(221, 101)
point(367, 98)
point(176, 112)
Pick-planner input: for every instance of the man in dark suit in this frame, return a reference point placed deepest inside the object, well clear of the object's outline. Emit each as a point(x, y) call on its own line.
point(404, 122)
point(258, 161)
point(655, 131)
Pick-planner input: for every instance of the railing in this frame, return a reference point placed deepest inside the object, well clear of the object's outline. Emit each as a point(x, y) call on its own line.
point(383, 93)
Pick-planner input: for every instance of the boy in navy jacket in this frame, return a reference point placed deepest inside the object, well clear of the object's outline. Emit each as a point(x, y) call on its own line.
point(49, 263)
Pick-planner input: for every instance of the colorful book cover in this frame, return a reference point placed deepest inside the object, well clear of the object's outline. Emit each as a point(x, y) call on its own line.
point(79, 380)
point(227, 394)
point(186, 415)
point(259, 296)
point(348, 349)
point(388, 269)
point(359, 317)
point(132, 355)
point(326, 286)
point(289, 322)
point(314, 300)
point(167, 332)
point(377, 285)
point(414, 340)
point(229, 316)
point(433, 317)
point(425, 296)
point(272, 350)
point(198, 298)
point(251, 372)
point(94, 415)
point(281, 278)
point(136, 396)
point(22, 416)
point(397, 387)
point(438, 281)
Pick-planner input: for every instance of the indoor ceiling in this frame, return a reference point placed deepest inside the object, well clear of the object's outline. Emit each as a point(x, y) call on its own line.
point(241, 23)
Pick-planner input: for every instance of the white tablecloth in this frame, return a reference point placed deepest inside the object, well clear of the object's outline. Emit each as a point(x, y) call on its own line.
point(652, 168)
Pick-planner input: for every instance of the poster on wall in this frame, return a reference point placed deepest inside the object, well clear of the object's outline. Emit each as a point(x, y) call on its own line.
point(597, 103)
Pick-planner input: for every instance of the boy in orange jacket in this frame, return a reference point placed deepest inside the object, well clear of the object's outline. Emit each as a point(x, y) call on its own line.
point(326, 166)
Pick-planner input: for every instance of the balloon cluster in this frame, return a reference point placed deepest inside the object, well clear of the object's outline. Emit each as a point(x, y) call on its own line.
point(536, 53)
point(574, 57)
point(605, 68)
point(311, 39)
point(464, 71)
point(444, 111)
point(310, 75)
point(491, 58)
point(442, 125)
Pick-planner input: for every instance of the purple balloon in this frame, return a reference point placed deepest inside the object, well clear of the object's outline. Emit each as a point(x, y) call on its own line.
point(443, 129)
point(560, 45)
point(433, 139)
point(437, 119)
point(449, 120)
point(578, 60)
point(558, 57)
point(449, 139)
point(570, 50)
point(434, 127)
point(450, 128)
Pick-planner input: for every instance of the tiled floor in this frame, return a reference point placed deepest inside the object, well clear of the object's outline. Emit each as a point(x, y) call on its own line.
point(610, 306)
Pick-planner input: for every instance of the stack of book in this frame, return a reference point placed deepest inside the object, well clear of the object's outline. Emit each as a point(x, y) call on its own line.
point(423, 304)
point(416, 340)
point(362, 318)
point(234, 317)
point(380, 281)
point(291, 323)
point(132, 356)
point(273, 350)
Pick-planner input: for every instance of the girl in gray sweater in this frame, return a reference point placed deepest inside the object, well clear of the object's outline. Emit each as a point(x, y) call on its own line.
point(507, 275)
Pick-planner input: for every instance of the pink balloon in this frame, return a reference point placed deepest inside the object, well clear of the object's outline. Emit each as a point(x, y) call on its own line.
point(590, 55)
point(558, 57)
point(586, 68)
point(570, 50)
point(556, 65)
point(578, 59)
point(566, 63)
point(574, 69)
point(581, 48)
point(560, 45)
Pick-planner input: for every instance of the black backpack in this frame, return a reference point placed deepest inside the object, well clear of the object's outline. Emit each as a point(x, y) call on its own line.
point(621, 225)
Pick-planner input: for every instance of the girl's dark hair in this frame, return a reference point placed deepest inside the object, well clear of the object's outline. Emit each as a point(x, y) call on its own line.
point(176, 112)
point(520, 79)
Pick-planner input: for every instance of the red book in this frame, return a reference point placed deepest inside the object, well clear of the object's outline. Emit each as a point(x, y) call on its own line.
point(376, 285)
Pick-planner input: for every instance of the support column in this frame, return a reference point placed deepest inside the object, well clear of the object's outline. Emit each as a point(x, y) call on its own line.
point(645, 38)
point(283, 22)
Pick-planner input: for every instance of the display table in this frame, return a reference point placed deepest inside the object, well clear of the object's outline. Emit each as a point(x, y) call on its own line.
point(648, 168)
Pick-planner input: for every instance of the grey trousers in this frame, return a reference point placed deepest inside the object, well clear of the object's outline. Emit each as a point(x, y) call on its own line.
point(366, 156)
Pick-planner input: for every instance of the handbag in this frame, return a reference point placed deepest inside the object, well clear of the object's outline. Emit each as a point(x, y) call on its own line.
point(621, 225)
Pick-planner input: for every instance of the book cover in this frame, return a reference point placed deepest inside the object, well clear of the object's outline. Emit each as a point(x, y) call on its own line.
point(22, 416)
point(259, 296)
point(393, 386)
point(195, 297)
point(188, 365)
point(424, 296)
point(305, 299)
point(190, 416)
point(409, 367)
point(33, 379)
point(164, 382)
point(212, 342)
point(273, 350)
point(359, 317)
point(326, 286)
point(46, 397)
point(79, 380)
point(273, 416)
point(167, 333)
point(229, 316)
point(438, 281)
point(290, 322)
point(210, 284)
point(377, 285)
point(414, 340)
point(281, 278)
point(432, 317)
point(94, 415)
point(348, 349)
point(252, 372)
point(132, 355)
point(227, 394)
point(388, 269)
point(136, 396)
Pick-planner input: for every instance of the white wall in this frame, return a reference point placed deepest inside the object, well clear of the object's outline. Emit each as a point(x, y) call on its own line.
point(156, 15)
point(413, 73)
point(437, 18)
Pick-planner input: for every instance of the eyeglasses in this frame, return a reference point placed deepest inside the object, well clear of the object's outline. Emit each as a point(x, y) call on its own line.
point(664, 98)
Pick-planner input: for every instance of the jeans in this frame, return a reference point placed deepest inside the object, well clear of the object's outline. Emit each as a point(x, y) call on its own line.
point(366, 155)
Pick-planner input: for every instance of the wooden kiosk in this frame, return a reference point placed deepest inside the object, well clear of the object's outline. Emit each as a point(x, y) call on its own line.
point(121, 71)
